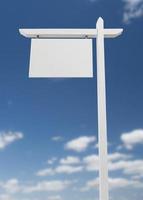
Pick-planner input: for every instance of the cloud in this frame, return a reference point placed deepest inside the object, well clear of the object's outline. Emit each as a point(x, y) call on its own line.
point(52, 160)
point(11, 186)
point(113, 183)
point(44, 186)
point(116, 162)
point(130, 139)
point(56, 197)
point(70, 160)
point(132, 167)
point(68, 165)
point(80, 144)
point(46, 172)
point(7, 138)
point(61, 169)
point(117, 156)
point(5, 197)
point(132, 9)
point(57, 138)
point(92, 161)
point(67, 169)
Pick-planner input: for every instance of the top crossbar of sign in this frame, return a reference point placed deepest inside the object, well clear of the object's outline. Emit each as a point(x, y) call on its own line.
point(68, 33)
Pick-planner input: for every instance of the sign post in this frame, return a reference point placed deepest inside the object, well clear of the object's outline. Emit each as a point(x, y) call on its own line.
point(43, 63)
point(102, 121)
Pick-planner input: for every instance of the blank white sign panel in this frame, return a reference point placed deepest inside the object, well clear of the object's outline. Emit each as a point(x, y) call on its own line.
point(61, 58)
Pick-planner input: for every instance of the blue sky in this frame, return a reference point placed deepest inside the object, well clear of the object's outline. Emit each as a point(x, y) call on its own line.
point(48, 127)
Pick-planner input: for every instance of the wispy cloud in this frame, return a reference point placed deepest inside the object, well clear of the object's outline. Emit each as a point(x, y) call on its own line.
point(51, 161)
point(80, 144)
point(57, 138)
point(132, 9)
point(6, 138)
point(61, 169)
point(70, 160)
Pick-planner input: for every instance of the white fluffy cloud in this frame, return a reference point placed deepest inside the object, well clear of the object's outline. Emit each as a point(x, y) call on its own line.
point(67, 165)
point(11, 186)
point(132, 9)
point(113, 183)
point(7, 138)
point(92, 161)
point(52, 186)
point(116, 161)
point(130, 139)
point(132, 167)
point(61, 169)
point(67, 169)
point(70, 165)
point(118, 156)
point(80, 144)
point(46, 172)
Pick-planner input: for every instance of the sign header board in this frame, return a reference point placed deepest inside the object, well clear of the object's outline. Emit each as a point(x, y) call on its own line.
point(61, 58)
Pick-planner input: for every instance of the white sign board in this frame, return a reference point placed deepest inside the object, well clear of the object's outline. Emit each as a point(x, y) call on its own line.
point(61, 58)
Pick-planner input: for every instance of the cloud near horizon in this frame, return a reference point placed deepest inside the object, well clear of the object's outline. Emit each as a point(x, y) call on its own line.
point(124, 163)
point(13, 186)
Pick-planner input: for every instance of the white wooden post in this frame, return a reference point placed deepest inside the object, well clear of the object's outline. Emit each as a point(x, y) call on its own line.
point(102, 121)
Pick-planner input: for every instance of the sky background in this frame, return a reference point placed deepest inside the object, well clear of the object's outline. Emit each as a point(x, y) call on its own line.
point(48, 127)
